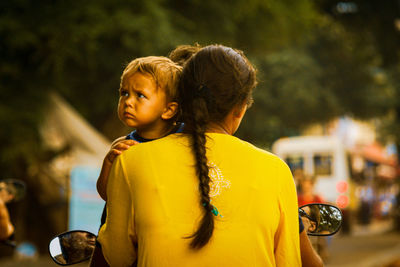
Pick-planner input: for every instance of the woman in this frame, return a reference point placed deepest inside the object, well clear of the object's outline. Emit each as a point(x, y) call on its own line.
point(203, 198)
point(307, 194)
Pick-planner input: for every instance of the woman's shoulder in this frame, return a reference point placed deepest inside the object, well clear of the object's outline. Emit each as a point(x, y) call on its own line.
point(245, 150)
point(259, 152)
point(261, 161)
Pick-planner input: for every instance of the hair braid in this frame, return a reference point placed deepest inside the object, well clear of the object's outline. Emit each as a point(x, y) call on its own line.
point(200, 119)
point(214, 81)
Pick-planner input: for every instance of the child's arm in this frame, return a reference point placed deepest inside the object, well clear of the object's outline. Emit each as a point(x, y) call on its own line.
point(117, 147)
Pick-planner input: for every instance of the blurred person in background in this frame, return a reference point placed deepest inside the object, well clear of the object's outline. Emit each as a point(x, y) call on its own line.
point(306, 194)
point(366, 197)
point(6, 227)
point(309, 256)
point(298, 176)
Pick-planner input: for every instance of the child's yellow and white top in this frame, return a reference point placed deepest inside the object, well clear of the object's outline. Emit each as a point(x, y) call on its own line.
point(154, 203)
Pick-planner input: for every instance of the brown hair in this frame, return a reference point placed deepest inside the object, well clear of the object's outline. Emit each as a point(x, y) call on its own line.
point(182, 53)
point(164, 71)
point(214, 81)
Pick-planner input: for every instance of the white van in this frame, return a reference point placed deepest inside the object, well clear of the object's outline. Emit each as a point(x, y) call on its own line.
point(325, 157)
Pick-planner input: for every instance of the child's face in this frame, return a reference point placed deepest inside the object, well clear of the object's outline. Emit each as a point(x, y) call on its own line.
point(140, 104)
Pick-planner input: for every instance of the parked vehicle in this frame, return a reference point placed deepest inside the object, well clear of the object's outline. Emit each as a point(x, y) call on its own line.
point(357, 180)
point(326, 158)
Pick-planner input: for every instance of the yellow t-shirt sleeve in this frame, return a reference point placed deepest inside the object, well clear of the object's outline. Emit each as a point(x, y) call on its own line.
point(117, 236)
point(287, 242)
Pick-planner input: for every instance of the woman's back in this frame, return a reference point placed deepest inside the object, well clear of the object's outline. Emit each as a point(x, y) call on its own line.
point(156, 183)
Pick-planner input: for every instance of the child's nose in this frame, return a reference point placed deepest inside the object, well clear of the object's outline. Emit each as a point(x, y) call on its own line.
point(129, 101)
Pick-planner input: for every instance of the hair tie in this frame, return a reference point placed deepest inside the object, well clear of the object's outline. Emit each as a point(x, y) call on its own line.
point(203, 91)
point(214, 209)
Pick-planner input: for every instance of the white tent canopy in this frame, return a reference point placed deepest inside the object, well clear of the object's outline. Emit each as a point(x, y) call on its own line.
point(65, 126)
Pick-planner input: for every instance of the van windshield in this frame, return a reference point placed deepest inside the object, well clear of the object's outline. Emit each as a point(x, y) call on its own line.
point(322, 164)
point(295, 162)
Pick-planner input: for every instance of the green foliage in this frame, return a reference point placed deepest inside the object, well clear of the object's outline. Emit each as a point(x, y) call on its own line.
point(374, 30)
point(76, 48)
point(311, 67)
point(349, 68)
point(389, 125)
point(255, 26)
point(287, 97)
point(80, 48)
point(331, 74)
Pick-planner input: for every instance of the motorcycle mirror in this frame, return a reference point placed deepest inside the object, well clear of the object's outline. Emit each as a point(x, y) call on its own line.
point(72, 247)
point(12, 190)
point(321, 219)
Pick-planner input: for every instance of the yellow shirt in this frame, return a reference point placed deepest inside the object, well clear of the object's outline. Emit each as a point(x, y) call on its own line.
point(154, 203)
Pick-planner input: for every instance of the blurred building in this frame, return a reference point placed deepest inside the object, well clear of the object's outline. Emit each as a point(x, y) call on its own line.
point(77, 168)
point(360, 139)
point(62, 183)
point(353, 169)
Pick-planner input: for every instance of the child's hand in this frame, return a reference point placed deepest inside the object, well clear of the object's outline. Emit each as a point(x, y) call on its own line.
point(117, 147)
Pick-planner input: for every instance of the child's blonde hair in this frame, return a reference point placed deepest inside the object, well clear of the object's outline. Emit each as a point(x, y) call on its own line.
point(164, 71)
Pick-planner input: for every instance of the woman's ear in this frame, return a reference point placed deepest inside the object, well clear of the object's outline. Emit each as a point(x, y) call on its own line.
point(239, 111)
point(236, 116)
point(170, 111)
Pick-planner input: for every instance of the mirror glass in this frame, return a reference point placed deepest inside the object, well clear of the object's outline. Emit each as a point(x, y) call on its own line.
point(12, 190)
point(72, 247)
point(321, 219)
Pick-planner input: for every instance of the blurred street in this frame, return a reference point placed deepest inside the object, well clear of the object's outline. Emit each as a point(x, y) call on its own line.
point(372, 250)
point(374, 245)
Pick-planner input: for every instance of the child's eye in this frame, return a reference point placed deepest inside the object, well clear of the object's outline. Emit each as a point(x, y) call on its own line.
point(123, 93)
point(140, 95)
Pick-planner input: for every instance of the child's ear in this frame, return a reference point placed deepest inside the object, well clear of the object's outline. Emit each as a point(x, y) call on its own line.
point(170, 111)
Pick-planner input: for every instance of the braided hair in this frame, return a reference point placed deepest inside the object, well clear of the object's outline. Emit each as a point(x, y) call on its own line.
point(214, 81)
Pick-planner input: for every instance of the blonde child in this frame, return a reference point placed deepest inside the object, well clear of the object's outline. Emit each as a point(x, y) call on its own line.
point(147, 103)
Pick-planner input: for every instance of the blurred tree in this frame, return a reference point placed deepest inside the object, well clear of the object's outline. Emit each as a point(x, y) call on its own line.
point(77, 49)
point(256, 26)
point(282, 100)
point(329, 75)
point(376, 24)
point(373, 22)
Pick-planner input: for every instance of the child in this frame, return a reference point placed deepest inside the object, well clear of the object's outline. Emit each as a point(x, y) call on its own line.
point(148, 103)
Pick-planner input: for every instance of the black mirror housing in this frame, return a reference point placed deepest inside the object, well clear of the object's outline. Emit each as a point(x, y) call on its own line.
point(72, 247)
point(321, 219)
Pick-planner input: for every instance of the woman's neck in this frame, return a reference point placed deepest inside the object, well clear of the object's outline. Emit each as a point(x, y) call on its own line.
point(218, 128)
point(230, 123)
point(155, 133)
